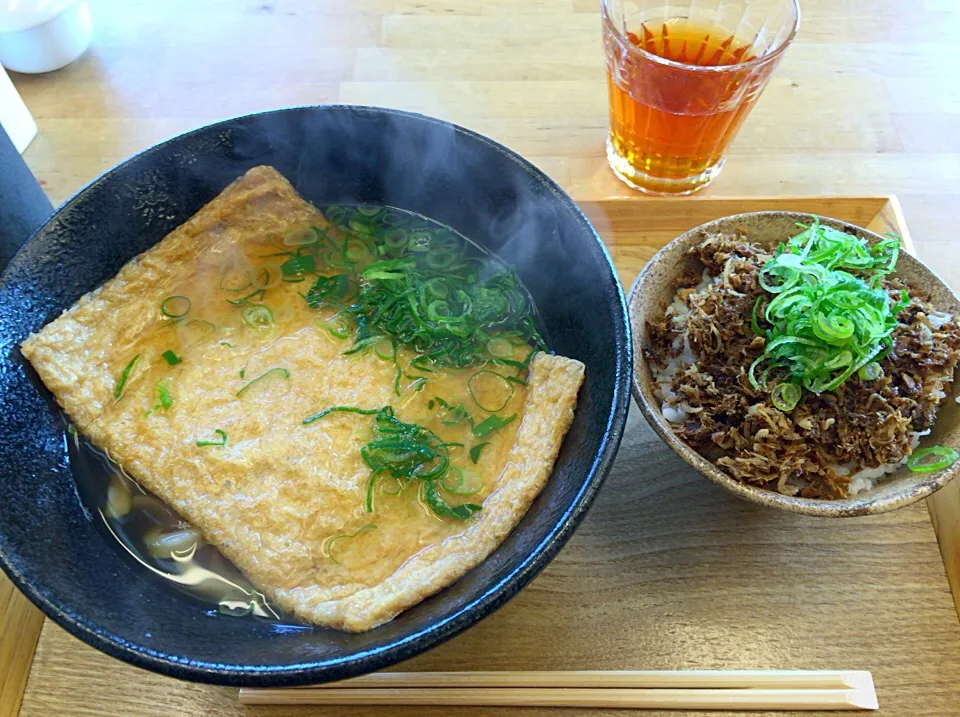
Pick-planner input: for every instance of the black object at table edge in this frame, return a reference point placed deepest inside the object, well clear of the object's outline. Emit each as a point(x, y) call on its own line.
point(23, 205)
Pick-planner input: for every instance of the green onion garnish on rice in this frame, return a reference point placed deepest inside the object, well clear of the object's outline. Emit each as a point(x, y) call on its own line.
point(933, 458)
point(821, 322)
point(785, 396)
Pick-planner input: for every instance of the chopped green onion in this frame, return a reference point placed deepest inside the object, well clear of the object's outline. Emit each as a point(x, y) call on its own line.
point(418, 383)
point(439, 506)
point(933, 458)
point(406, 452)
point(301, 236)
point(334, 214)
point(871, 372)
point(383, 488)
point(441, 259)
point(358, 226)
point(385, 350)
point(462, 481)
point(500, 347)
point(491, 424)
point(198, 329)
point(520, 366)
point(476, 450)
point(395, 240)
point(221, 439)
point(295, 265)
point(124, 377)
point(330, 290)
point(497, 384)
point(339, 328)
point(356, 251)
point(834, 329)
point(361, 345)
point(421, 241)
point(452, 415)
point(342, 409)
point(441, 289)
point(276, 371)
point(244, 299)
point(421, 288)
point(328, 548)
point(828, 317)
point(171, 358)
point(258, 316)
point(754, 324)
point(175, 307)
point(235, 281)
point(164, 399)
point(785, 396)
point(267, 276)
point(390, 218)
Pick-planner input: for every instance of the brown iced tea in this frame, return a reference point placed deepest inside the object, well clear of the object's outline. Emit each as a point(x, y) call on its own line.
point(679, 92)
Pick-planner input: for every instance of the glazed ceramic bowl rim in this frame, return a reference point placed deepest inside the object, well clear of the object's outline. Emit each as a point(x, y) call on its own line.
point(492, 597)
point(923, 485)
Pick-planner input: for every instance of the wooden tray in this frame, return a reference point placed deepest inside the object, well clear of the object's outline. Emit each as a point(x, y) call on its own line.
point(667, 571)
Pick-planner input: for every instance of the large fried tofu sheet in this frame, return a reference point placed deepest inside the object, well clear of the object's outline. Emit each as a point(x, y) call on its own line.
point(276, 496)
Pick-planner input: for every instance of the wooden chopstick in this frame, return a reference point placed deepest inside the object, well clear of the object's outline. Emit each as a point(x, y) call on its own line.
point(717, 690)
point(635, 679)
point(692, 699)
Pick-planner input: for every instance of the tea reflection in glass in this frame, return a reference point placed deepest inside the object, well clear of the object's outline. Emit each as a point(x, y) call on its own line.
point(682, 77)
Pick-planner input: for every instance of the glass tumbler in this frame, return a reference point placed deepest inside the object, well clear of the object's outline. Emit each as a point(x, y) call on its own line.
point(682, 76)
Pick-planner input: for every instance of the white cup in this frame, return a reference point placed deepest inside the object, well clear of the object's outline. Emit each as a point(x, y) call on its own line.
point(43, 35)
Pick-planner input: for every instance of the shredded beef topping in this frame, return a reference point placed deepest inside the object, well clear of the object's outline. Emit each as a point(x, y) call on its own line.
point(861, 424)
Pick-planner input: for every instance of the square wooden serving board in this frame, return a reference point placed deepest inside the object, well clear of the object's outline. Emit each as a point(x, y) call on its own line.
point(667, 571)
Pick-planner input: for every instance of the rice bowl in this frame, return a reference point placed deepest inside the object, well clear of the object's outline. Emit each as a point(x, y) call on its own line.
point(788, 459)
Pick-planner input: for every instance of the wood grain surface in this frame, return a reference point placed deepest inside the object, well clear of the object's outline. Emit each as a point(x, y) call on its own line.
point(19, 629)
point(866, 102)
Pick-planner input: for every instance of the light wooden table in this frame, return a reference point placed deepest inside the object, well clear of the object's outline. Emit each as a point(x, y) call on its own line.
point(866, 102)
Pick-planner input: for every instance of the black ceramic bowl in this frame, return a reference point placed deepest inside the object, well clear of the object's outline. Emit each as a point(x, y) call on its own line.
point(62, 559)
